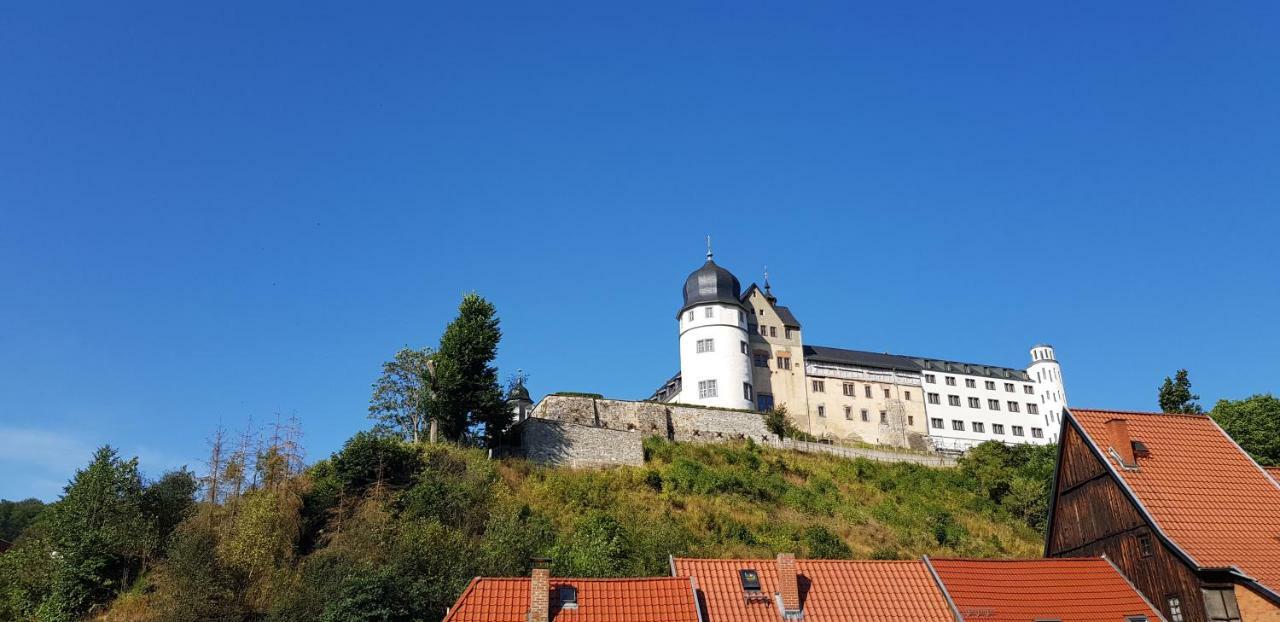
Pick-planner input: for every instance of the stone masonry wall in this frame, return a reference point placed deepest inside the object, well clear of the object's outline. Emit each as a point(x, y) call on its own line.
point(570, 444)
point(670, 421)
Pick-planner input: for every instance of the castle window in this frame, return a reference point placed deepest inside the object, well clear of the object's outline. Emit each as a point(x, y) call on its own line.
point(865, 417)
point(764, 401)
point(790, 332)
point(690, 315)
point(760, 359)
point(997, 428)
point(933, 398)
point(741, 317)
point(710, 312)
point(930, 378)
point(1033, 408)
point(936, 423)
point(706, 345)
point(906, 395)
point(773, 331)
point(1017, 430)
point(886, 394)
point(957, 425)
point(953, 400)
point(911, 420)
point(1037, 433)
point(884, 417)
point(1008, 387)
point(951, 381)
point(848, 413)
point(975, 402)
point(1013, 407)
point(744, 347)
point(819, 386)
point(970, 383)
point(706, 388)
point(746, 391)
point(993, 404)
point(784, 361)
point(978, 427)
point(822, 410)
point(867, 391)
point(764, 330)
point(1026, 388)
point(849, 389)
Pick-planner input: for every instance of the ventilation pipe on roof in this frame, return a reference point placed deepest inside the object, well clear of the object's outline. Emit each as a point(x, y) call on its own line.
point(788, 587)
point(1121, 443)
point(540, 591)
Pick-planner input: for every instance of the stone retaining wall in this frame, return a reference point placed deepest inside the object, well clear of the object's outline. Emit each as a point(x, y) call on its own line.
point(670, 421)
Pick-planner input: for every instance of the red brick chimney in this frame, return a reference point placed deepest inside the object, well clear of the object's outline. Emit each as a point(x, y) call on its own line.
point(1121, 443)
point(540, 593)
point(788, 584)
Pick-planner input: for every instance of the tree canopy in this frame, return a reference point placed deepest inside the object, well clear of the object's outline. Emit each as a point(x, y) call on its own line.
point(1254, 423)
point(1176, 395)
point(465, 395)
point(401, 396)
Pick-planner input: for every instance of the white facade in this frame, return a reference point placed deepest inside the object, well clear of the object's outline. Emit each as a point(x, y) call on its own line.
point(715, 360)
point(970, 404)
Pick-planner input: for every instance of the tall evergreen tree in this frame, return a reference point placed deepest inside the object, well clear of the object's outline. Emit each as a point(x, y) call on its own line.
point(401, 396)
point(1176, 395)
point(465, 395)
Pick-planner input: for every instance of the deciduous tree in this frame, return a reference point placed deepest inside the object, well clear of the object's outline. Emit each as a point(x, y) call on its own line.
point(1254, 423)
point(401, 396)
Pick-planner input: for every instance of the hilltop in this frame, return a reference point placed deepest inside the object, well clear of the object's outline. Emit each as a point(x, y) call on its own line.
point(391, 531)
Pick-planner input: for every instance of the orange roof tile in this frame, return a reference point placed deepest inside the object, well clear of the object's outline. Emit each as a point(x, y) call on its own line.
point(1070, 590)
point(660, 599)
point(830, 590)
point(1200, 489)
point(1274, 471)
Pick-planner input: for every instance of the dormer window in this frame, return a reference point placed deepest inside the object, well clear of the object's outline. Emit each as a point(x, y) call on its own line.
point(568, 595)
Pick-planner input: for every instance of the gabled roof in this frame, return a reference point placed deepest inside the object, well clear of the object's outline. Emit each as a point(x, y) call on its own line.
point(859, 358)
point(836, 590)
point(1203, 493)
point(660, 599)
point(784, 313)
point(1070, 590)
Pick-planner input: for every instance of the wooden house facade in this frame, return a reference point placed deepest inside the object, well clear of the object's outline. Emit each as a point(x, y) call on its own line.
point(1173, 503)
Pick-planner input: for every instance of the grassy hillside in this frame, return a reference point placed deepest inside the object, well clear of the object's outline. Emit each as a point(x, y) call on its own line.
point(387, 531)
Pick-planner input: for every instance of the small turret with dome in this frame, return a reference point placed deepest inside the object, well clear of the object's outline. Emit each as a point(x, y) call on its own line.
point(518, 399)
point(715, 366)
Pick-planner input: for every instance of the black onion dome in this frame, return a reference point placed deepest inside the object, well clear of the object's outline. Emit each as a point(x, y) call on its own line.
point(518, 392)
point(711, 283)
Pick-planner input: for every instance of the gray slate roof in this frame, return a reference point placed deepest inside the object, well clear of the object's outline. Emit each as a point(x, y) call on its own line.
point(952, 367)
point(861, 358)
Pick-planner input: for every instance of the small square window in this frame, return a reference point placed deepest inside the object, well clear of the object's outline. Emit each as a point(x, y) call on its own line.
point(958, 425)
point(990, 385)
point(906, 395)
point(773, 331)
point(930, 378)
point(822, 410)
point(1144, 546)
point(953, 400)
point(1008, 387)
point(865, 416)
point(997, 428)
point(993, 404)
point(1037, 433)
point(884, 417)
point(978, 427)
point(970, 383)
point(951, 381)
point(936, 423)
point(848, 413)
point(710, 311)
point(744, 347)
point(1017, 430)
point(706, 388)
point(819, 386)
point(975, 402)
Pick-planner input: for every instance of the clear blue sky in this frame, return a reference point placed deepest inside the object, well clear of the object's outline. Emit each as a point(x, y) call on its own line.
point(220, 213)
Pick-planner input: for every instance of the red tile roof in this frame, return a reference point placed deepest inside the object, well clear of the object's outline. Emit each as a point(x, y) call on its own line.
point(830, 590)
point(1071, 590)
point(661, 599)
point(1200, 489)
point(1275, 472)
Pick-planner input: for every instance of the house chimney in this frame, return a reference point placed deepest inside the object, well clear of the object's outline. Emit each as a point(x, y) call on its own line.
point(788, 585)
point(540, 591)
point(1121, 443)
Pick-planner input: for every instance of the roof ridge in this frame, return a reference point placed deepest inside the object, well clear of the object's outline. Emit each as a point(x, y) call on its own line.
point(1016, 559)
point(1138, 412)
point(591, 579)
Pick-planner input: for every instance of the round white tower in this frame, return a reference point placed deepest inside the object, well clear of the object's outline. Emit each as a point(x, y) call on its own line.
point(1047, 373)
point(715, 360)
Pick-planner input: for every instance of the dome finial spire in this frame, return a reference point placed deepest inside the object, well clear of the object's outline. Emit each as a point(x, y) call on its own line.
point(766, 280)
point(708, 248)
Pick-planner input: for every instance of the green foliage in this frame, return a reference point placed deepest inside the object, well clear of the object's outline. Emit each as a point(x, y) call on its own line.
point(1176, 395)
point(401, 396)
point(1254, 423)
point(1016, 478)
point(821, 543)
point(465, 395)
point(369, 458)
point(15, 516)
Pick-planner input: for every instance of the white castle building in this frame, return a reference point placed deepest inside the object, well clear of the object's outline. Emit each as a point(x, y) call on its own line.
point(744, 350)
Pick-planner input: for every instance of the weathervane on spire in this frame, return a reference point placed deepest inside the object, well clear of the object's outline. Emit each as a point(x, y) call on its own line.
point(708, 248)
point(766, 280)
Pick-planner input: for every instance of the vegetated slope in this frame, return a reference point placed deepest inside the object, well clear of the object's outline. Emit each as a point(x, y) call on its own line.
point(384, 530)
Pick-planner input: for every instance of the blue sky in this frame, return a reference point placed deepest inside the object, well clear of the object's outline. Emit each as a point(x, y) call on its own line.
point(219, 213)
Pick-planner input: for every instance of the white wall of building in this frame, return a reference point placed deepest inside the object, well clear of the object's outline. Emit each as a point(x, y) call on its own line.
point(955, 403)
point(1047, 373)
point(727, 363)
